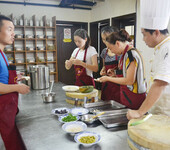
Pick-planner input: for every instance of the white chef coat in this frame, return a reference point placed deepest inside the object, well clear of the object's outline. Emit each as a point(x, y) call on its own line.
point(161, 70)
point(91, 51)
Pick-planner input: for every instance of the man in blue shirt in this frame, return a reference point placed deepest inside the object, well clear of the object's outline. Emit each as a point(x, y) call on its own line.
point(9, 90)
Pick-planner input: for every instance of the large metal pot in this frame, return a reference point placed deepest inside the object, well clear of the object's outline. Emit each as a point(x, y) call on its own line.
point(40, 77)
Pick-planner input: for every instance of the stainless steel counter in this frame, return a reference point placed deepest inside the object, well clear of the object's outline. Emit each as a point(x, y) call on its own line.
point(42, 131)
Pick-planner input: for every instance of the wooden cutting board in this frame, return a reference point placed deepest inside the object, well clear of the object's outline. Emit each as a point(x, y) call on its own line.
point(154, 133)
point(71, 96)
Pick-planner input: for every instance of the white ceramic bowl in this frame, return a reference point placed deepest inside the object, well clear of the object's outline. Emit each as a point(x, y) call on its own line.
point(74, 127)
point(87, 133)
point(59, 109)
point(63, 116)
point(70, 88)
point(79, 111)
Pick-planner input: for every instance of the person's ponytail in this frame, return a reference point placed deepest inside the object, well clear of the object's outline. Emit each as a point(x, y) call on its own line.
point(124, 35)
point(121, 35)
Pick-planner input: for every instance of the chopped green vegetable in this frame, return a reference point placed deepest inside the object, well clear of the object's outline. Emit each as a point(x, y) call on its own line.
point(137, 122)
point(141, 121)
point(87, 139)
point(69, 118)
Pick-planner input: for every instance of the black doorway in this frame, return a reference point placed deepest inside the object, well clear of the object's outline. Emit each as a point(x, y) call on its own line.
point(123, 22)
point(96, 41)
point(65, 49)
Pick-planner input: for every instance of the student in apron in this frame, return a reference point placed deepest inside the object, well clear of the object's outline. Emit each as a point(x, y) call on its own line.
point(132, 84)
point(84, 59)
point(9, 90)
point(109, 90)
point(154, 23)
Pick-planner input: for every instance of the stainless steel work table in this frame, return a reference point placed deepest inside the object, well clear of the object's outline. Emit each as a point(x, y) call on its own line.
point(42, 131)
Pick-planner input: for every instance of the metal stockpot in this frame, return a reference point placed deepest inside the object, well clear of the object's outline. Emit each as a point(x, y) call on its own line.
point(40, 77)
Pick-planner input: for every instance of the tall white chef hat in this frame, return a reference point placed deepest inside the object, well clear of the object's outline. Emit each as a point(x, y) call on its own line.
point(154, 14)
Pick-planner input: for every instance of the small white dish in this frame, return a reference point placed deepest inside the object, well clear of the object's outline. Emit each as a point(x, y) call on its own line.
point(70, 88)
point(74, 127)
point(85, 134)
point(54, 111)
point(79, 111)
point(63, 116)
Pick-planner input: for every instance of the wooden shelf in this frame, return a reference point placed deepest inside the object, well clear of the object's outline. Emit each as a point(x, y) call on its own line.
point(43, 27)
point(29, 26)
point(52, 73)
point(51, 50)
point(30, 51)
point(18, 26)
point(31, 63)
point(30, 39)
point(50, 39)
point(23, 51)
point(17, 39)
point(35, 42)
point(38, 39)
point(41, 62)
point(20, 64)
point(51, 62)
point(41, 51)
point(50, 27)
point(8, 52)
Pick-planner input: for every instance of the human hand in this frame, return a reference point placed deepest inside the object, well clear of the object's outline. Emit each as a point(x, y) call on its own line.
point(133, 114)
point(103, 79)
point(103, 72)
point(68, 64)
point(111, 73)
point(22, 88)
point(76, 61)
point(19, 76)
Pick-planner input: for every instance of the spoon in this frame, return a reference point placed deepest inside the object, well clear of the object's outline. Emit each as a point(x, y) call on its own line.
point(98, 115)
point(91, 119)
point(51, 86)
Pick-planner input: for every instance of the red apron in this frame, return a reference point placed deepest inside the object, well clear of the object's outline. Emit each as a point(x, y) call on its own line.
point(110, 90)
point(127, 97)
point(8, 110)
point(82, 78)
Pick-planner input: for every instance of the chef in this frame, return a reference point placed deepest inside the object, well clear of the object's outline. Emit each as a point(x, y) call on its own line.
point(154, 22)
point(9, 90)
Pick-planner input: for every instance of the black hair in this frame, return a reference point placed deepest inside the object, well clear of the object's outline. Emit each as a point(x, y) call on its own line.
point(164, 32)
point(83, 34)
point(121, 35)
point(108, 29)
point(2, 17)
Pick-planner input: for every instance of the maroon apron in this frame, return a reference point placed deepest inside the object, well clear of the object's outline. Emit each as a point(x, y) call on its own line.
point(110, 90)
point(82, 79)
point(8, 110)
point(127, 97)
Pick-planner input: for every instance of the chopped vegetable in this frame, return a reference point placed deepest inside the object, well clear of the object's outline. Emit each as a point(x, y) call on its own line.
point(74, 129)
point(61, 111)
point(141, 121)
point(87, 139)
point(69, 118)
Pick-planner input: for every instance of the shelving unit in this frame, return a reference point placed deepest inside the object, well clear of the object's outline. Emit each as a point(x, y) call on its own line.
point(24, 58)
